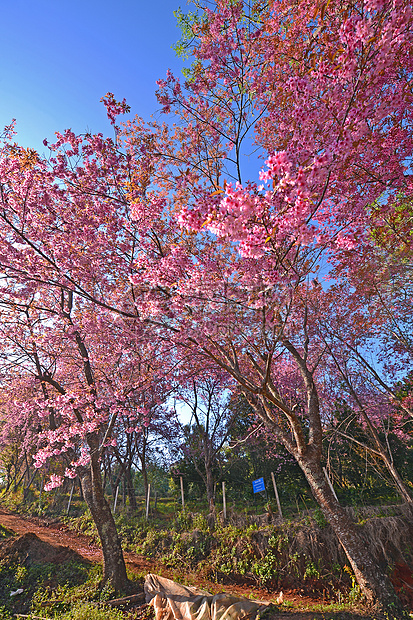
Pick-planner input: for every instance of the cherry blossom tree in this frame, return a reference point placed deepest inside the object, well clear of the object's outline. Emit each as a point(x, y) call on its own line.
point(326, 89)
point(143, 434)
point(206, 397)
point(18, 432)
point(85, 360)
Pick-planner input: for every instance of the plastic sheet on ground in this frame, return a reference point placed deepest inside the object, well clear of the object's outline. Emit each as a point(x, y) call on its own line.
point(173, 601)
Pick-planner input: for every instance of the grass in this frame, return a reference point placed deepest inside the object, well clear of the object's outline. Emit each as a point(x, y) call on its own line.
point(81, 611)
point(4, 532)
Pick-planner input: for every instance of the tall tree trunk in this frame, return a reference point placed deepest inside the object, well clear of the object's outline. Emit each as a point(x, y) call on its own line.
point(144, 471)
point(28, 485)
point(130, 488)
point(114, 569)
point(373, 582)
point(209, 483)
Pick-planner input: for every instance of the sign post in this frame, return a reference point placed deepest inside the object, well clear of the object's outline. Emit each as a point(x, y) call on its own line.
point(70, 498)
point(258, 485)
point(116, 498)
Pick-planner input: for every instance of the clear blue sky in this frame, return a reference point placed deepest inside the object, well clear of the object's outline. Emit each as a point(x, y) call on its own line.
point(59, 57)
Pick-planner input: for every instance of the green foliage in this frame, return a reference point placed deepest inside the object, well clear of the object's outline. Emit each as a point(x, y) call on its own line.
point(187, 22)
point(4, 532)
point(40, 581)
point(268, 554)
point(92, 611)
point(83, 524)
point(4, 613)
point(265, 569)
point(151, 542)
point(62, 597)
point(311, 571)
point(200, 522)
point(354, 594)
point(183, 520)
point(187, 549)
point(319, 518)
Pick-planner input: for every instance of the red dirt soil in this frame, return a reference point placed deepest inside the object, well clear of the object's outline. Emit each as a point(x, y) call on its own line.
point(59, 534)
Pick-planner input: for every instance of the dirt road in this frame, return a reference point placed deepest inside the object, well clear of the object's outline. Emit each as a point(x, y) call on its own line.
point(58, 534)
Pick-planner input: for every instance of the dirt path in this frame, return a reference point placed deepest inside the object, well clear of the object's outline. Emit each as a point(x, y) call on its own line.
point(59, 534)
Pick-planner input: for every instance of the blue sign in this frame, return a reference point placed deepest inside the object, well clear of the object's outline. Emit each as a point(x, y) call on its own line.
point(258, 485)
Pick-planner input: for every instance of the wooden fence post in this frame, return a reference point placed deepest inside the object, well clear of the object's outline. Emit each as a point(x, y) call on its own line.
point(116, 499)
point(276, 495)
point(148, 497)
point(41, 492)
point(182, 493)
point(70, 498)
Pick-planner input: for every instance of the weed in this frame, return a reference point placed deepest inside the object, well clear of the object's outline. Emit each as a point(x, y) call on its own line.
point(319, 518)
point(5, 533)
point(265, 569)
point(183, 520)
point(83, 525)
point(355, 594)
point(37, 582)
point(253, 527)
point(92, 611)
point(200, 522)
point(4, 613)
point(311, 571)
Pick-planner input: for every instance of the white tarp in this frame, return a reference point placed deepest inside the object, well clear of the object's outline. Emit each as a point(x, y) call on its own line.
point(172, 601)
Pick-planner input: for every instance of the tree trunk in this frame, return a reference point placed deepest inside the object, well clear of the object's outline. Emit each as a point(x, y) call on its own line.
point(209, 483)
point(28, 485)
point(142, 458)
point(398, 482)
point(114, 569)
point(130, 489)
point(373, 582)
